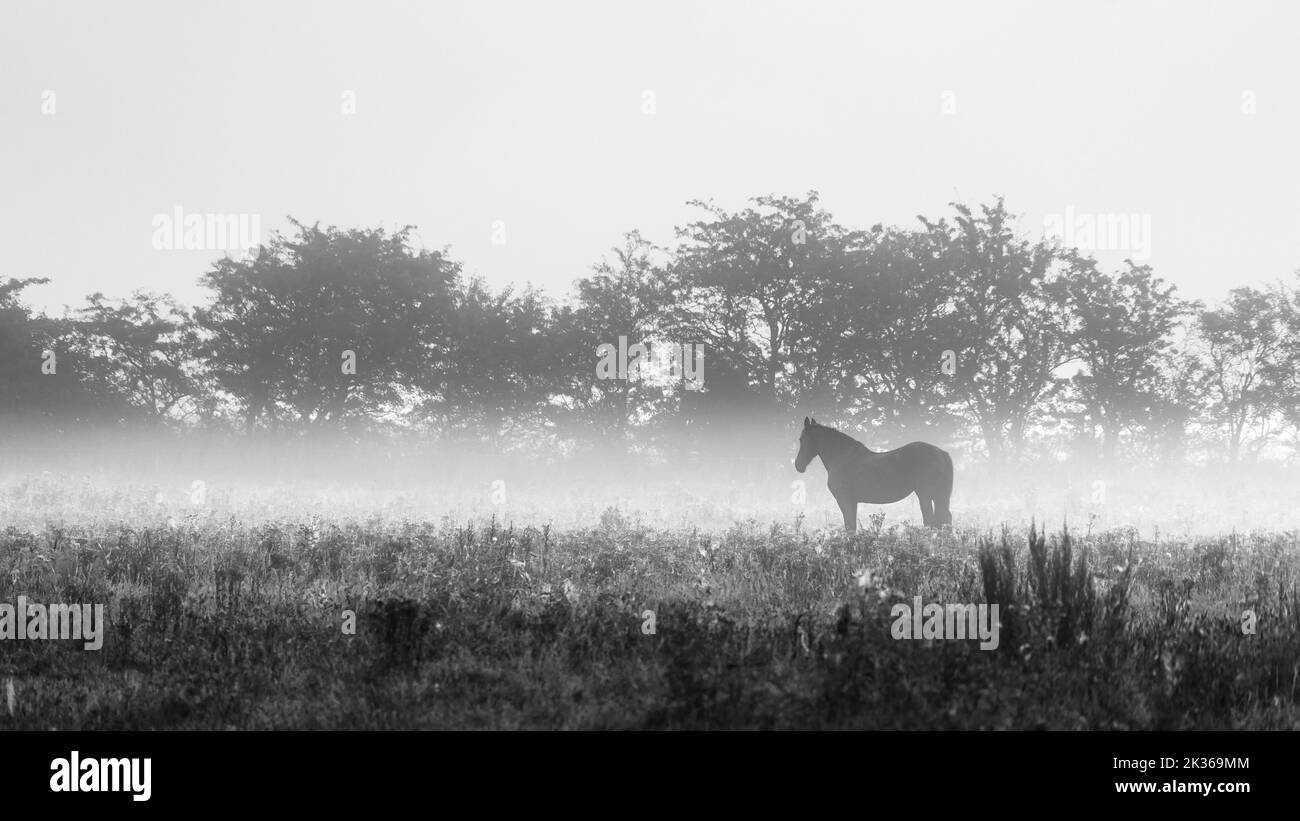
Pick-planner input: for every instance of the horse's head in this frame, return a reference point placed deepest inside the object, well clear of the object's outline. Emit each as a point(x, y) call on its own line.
point(807, 447)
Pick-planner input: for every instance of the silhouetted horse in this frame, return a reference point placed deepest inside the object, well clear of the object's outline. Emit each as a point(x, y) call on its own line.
point(856, 474)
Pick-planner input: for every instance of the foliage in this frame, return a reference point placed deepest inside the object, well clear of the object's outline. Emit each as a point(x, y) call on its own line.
point(959, 331)
point(218, 625)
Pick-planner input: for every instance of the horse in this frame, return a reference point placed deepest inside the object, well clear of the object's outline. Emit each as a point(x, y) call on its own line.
point(856, 474)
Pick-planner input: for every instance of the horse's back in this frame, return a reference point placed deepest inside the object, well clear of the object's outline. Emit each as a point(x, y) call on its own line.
point(888, 476)
point(922, 453)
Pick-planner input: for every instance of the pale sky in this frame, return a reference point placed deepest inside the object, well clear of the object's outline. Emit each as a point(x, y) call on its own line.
point(532, 114)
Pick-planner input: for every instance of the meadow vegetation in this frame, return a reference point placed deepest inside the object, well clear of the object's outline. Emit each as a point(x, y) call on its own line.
point(223, 622)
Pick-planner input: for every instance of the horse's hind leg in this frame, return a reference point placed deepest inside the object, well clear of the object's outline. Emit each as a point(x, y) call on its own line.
point(942, 515)
point(927, 509)
point(943, 493)
point(850, 511)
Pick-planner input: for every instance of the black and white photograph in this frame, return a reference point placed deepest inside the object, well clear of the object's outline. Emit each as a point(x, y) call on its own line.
point(677, 368)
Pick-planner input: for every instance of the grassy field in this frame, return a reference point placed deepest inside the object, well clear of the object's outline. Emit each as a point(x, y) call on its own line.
point(221, 623)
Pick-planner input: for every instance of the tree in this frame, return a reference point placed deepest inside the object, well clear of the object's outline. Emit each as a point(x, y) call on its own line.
point(749, 282)
point(890, 334)
point(625, 298)
point(328, 325)
point(1010, 326)
point(495, 376)
point(43, 375)
point(1120, 331)
point(1287, 373)
point(1246, 343)
point(143, 350)
point(1180, 389)
point(20, 350)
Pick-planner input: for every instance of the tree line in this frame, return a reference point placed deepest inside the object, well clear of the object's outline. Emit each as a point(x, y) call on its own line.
point(960, 330)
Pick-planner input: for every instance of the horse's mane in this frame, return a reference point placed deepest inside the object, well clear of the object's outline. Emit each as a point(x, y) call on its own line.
point(841, 437)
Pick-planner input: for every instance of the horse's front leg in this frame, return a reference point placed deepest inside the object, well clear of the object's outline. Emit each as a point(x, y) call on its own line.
point(850, 511)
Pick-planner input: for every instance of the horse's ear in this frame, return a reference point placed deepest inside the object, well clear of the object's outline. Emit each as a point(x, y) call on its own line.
point(814, 421)
point(806, 421)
